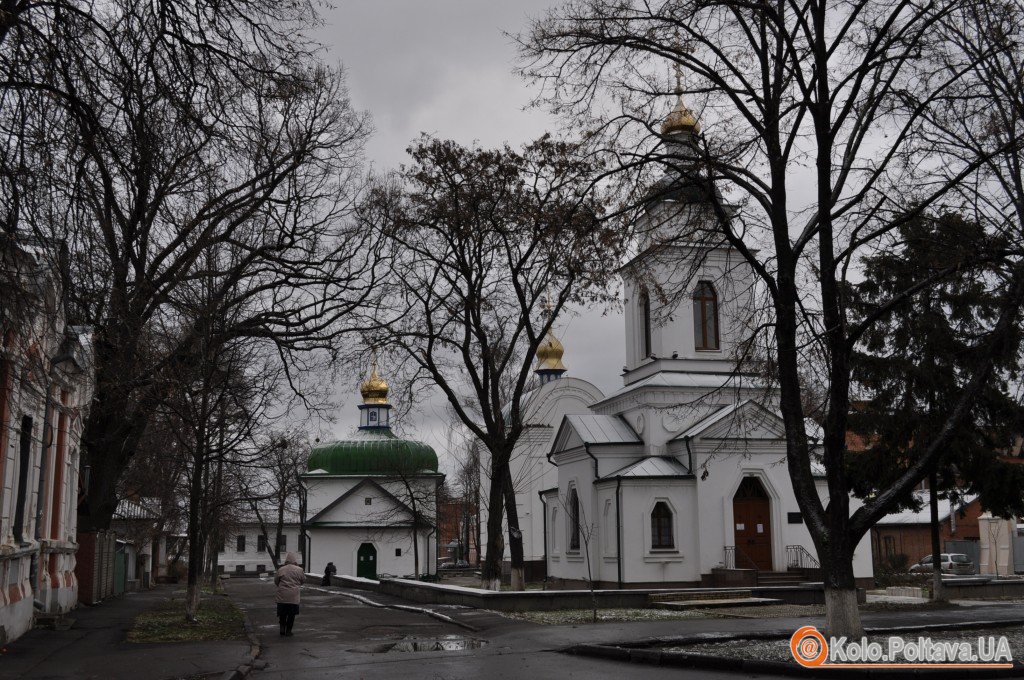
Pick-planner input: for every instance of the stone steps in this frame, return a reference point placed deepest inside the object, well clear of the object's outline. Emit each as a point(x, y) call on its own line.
point(713, 603)
point(703, 595)
point(779, 578)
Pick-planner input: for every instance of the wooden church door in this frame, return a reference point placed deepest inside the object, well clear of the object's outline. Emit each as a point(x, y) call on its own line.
point(366, 561)
point(751, 511)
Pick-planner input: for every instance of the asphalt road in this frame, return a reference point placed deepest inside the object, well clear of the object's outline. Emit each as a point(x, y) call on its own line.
point(337, 636)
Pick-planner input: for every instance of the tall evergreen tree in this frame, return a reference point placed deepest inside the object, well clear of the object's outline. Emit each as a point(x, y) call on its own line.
point(914, 362)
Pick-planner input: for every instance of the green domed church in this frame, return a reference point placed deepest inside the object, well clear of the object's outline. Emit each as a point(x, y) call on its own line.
point(372, 497)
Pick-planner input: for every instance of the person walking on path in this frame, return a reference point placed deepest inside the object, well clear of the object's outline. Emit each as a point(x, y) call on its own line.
point(329, 571)
point(288, 580)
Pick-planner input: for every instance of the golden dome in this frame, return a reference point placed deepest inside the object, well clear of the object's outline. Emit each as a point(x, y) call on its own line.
point(549, 354)
point(681, 119)
point(375, 388)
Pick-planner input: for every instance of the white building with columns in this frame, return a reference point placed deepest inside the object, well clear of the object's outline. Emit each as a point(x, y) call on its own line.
point(45, 390)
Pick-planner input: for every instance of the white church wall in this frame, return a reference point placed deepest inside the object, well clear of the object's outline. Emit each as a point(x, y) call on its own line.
point(393, 545)
point(322, 491)
point(641, 562)
point(672, 330)
point(530, 468)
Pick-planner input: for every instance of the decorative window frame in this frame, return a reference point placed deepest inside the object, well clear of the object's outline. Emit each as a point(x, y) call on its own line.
point(652, 554)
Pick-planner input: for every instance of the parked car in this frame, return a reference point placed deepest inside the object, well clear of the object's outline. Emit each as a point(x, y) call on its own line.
point(446, 565)
point(951, 563)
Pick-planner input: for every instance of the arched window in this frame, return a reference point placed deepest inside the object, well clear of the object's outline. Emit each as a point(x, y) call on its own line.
point(705, 316)
point(661, 527)
point(574, 519)
point(645, 317)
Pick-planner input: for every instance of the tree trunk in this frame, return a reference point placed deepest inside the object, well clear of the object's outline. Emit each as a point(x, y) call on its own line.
point(938, 592)
point(415, 552)
point(842, 615)
point(515, 534)
point(196, 542)
point(490, 574)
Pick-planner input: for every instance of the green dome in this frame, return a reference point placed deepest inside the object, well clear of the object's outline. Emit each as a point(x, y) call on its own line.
point(373, 452)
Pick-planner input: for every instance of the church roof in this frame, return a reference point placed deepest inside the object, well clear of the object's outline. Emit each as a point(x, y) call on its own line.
point(598, 429)
point(373, 452)
point(656, 466)
point(693, 380)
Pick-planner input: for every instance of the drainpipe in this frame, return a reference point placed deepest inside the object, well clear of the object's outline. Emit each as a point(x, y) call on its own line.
point(689, 453)
point(586, 447)
point(618, 526)
point(544, 524)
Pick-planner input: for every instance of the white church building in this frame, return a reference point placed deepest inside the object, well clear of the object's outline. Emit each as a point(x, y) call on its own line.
point(678, 478)
point(372, 498)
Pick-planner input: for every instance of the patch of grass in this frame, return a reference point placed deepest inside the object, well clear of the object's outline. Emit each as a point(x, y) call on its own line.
point(218, 619)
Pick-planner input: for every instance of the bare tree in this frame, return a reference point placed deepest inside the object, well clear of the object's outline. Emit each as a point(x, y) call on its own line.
point(480, 237)
point(164, 130)
point(585, 532)
point(272, 487)
point(819, 124)
point(416, 493)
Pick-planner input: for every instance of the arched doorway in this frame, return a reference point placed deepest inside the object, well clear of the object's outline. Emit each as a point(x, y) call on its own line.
point(751, 512)
point(366, 561)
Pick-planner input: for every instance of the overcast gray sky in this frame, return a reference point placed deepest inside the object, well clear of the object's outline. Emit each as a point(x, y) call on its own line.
point(445, 67)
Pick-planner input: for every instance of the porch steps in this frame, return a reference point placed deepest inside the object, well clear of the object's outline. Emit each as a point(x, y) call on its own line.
point(780, 578)
point(717, 602)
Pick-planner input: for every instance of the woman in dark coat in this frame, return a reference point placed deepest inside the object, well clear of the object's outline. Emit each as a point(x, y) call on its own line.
point(329, 571)
point(288, 580)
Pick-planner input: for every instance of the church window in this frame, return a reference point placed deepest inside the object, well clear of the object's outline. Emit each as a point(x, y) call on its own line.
point(368, 501)
point(398, 552)
point(606, 524)
point(661, 527)
point(261, 542)
point(705, 316)
point(574, 519)
point(645, 315)
point(795, 518)
point(282, 543)
point(240, 544)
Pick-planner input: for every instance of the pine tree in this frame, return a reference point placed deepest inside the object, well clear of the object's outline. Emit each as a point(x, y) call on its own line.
point(913, 363)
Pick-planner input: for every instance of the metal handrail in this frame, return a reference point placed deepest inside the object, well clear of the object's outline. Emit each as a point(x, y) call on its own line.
point(730, 557)
point(798, 557)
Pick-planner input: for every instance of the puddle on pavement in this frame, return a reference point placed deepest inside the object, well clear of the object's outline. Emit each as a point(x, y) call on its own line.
point(443, 643)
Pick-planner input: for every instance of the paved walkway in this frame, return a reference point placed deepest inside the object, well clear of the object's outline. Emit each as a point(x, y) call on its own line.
point(339, 635)
point(95, 648)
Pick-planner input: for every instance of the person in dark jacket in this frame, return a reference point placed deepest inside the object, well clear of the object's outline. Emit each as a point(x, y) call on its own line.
point(329, 571)
point(288, 580)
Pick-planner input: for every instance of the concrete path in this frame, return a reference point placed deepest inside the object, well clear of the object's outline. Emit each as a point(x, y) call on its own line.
point(95, 648)
point(339, 634)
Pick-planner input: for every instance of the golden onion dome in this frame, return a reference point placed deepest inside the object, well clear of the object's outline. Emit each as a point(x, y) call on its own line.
point(375, 388)
point(549, 354)
point(681, 119)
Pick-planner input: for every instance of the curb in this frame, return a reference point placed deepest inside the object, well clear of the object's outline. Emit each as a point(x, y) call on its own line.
point(408, 608)
point(255, 650)
point(640, 653)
